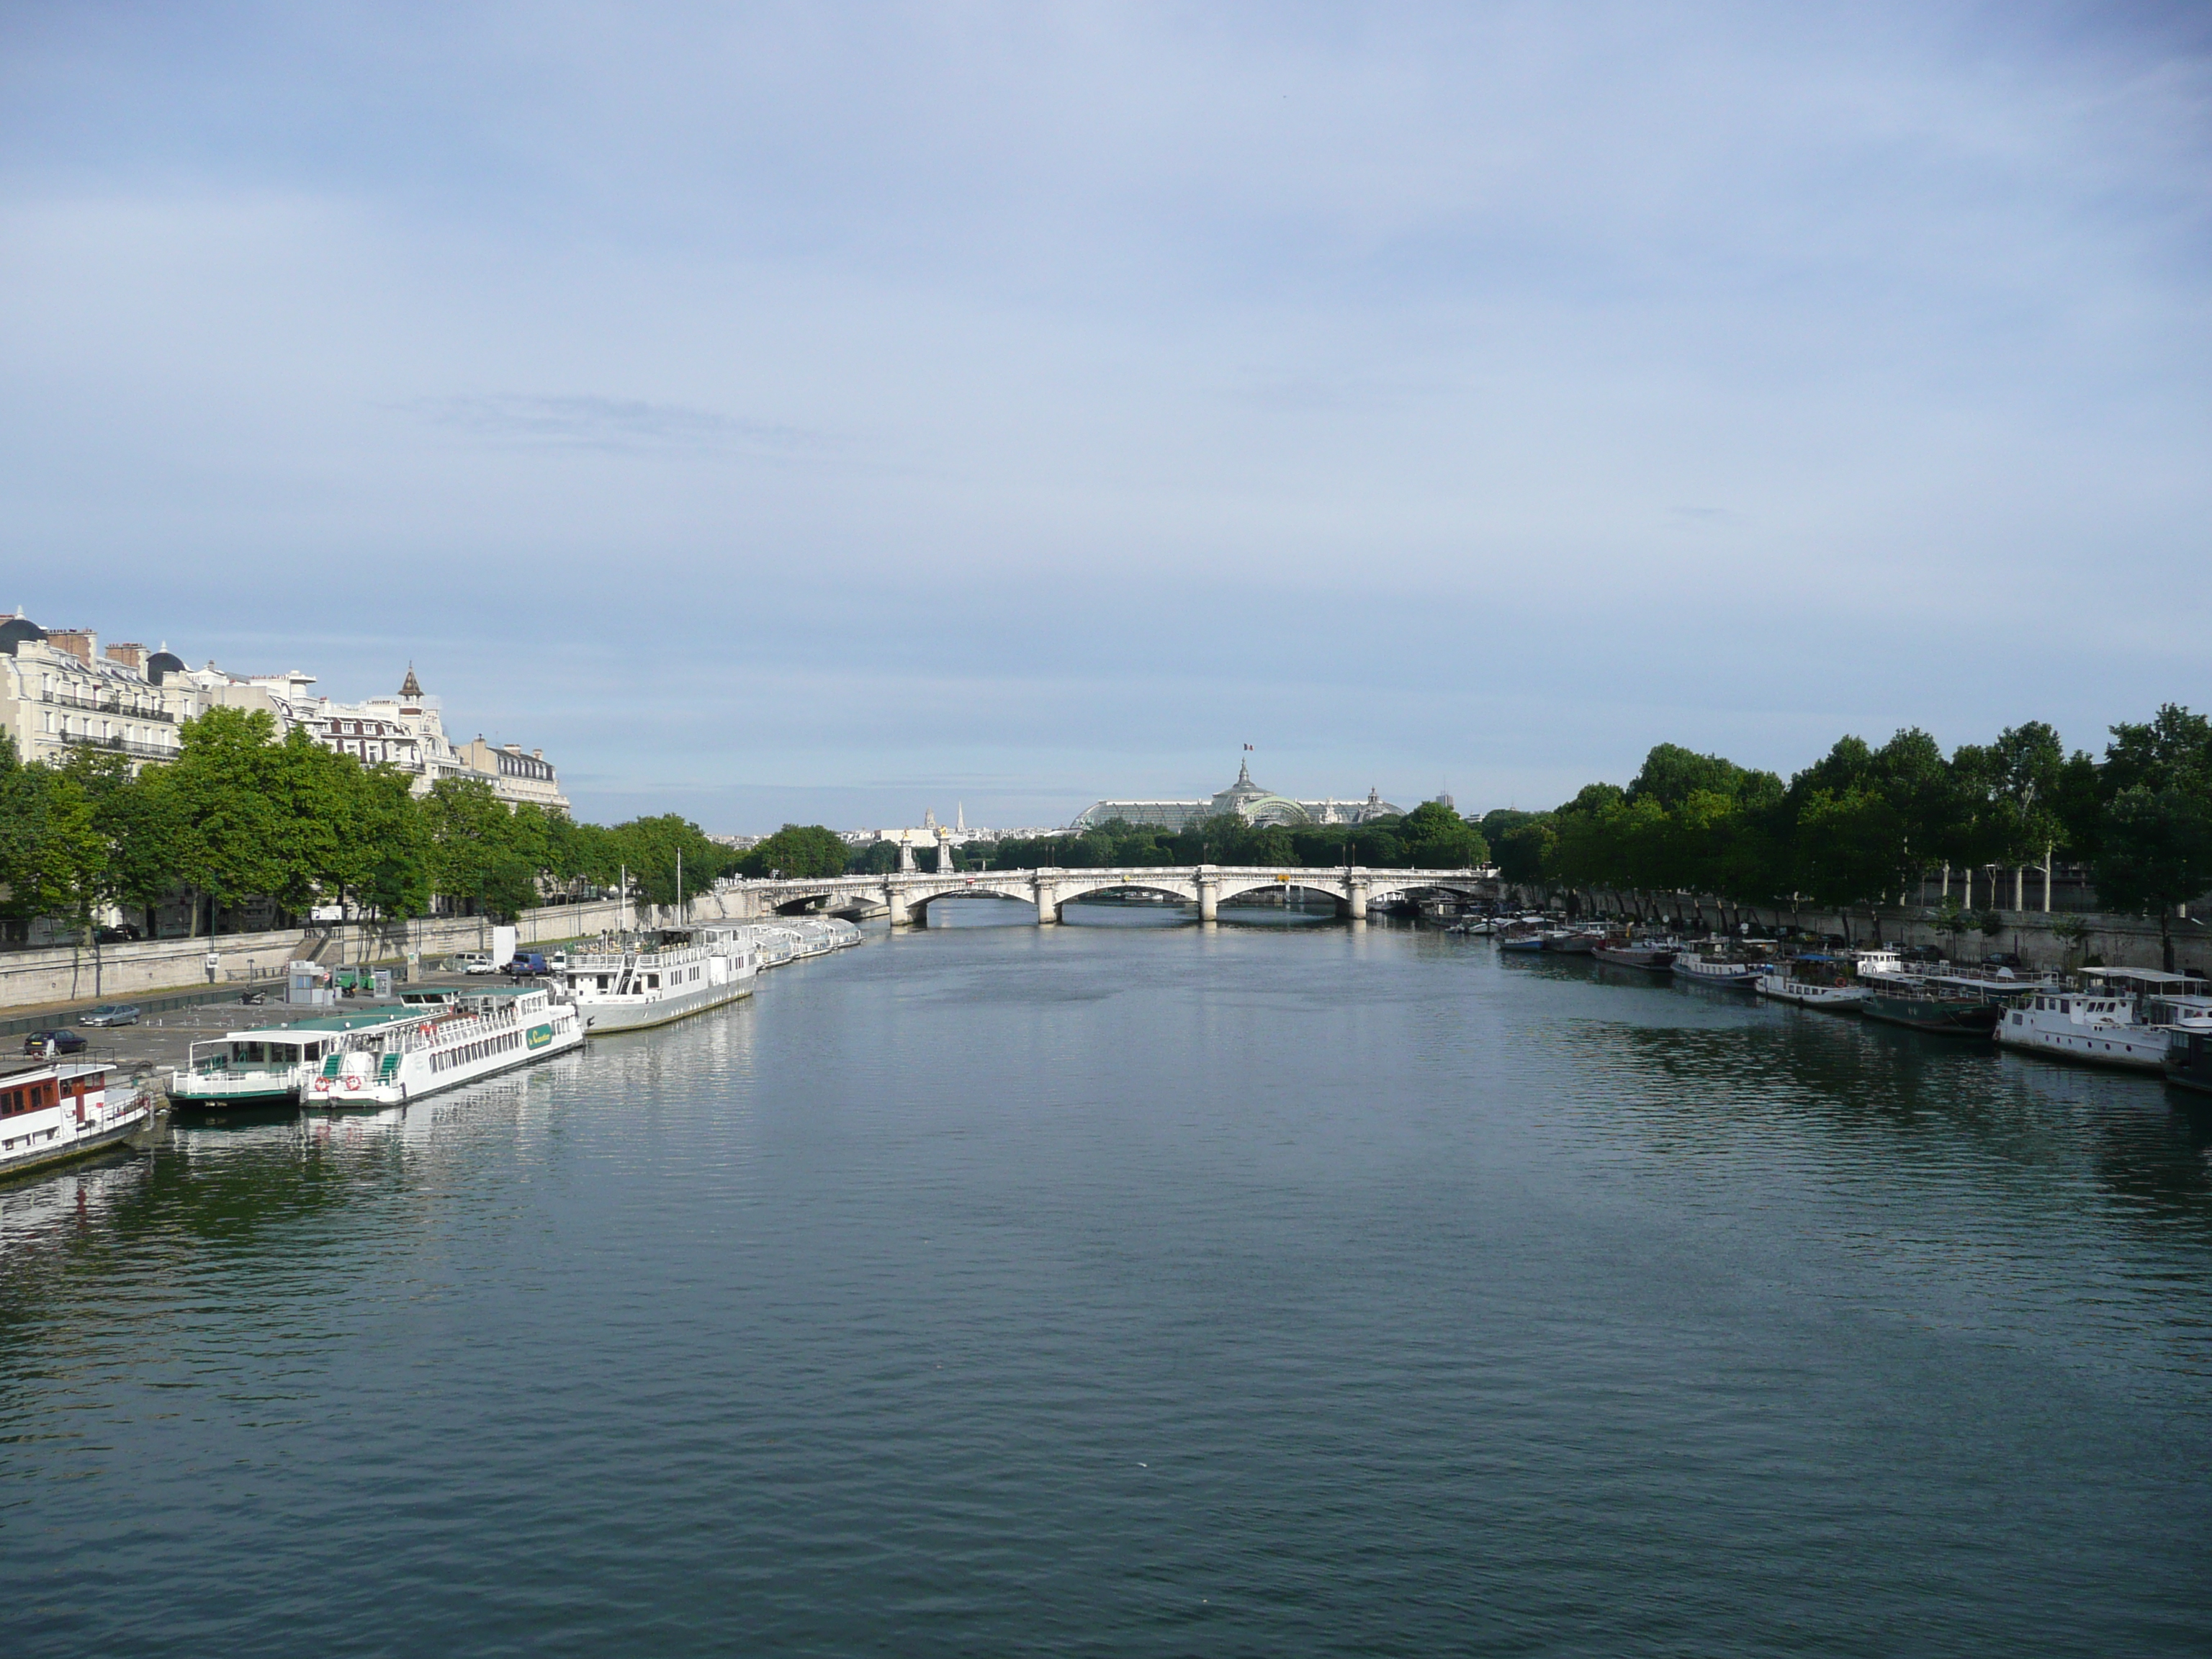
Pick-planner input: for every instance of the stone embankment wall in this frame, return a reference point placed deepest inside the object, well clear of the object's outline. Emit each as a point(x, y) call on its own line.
point(2119, 941)
point(33, 978)
point(30, 978)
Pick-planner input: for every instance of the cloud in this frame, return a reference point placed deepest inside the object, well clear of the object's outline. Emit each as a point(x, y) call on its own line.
point(1075, 391)
point(614, 424)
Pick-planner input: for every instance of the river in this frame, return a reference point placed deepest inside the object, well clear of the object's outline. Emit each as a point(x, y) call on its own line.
point(1138, 1288)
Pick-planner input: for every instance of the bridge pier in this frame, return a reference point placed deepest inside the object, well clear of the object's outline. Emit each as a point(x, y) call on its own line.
point(1209, 897)
point(1047, 896)
point(902, 914)
point(1355, 899)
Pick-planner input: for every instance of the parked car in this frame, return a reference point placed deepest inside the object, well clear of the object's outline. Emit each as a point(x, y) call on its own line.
point(64, 1042)
point(527, 963)
point(478, 961)
point(253, 997)
point(126, 934)
point(111, 1013)
point(557, 963)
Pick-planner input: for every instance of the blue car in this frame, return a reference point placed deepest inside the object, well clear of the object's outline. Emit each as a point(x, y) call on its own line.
point(64, 1042)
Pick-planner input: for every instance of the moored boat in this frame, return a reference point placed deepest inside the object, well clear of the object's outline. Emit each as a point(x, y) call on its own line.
point(1812, 981)
point(1627, 953)
point(473, 1034)
point(270, 1066)
point(2188, 1061)
point(2125, 1018)
point(52, 1111)
point(628, 990)
point(1701, 970)
point(1935, 1003)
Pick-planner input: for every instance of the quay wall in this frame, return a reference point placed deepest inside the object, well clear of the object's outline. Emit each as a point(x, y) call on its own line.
point(119, 972)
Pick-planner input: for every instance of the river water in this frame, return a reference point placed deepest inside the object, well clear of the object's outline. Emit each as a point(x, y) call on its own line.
point(1125, 1288)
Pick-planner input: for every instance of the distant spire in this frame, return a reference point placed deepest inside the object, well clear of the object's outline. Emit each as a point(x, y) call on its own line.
point(411, 687)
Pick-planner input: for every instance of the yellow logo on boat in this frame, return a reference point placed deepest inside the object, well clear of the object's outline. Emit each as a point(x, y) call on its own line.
point(539, 1036)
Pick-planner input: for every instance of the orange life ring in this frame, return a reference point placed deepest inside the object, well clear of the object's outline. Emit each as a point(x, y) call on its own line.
point(322, 1085)
point(353, 1082)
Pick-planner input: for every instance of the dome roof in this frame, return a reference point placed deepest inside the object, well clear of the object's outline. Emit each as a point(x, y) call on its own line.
point(16, 629)
point(162, 664)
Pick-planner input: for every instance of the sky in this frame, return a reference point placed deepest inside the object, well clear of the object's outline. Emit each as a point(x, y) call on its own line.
point(816, 412)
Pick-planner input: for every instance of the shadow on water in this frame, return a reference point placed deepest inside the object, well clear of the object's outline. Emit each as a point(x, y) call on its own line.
point(1957, 1105)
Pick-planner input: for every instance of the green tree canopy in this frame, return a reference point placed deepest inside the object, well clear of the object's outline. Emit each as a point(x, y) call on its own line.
point(802, 850)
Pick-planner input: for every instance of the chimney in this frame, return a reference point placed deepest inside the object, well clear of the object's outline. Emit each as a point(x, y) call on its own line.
point(537, 754)
point(79, 642)
point(129, 655)
point(512, 748)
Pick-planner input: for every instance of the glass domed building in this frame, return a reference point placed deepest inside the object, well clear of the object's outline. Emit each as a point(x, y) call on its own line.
point(1244, 798)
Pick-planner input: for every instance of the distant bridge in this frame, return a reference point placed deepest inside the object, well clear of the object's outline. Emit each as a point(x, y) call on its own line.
point(908, 895)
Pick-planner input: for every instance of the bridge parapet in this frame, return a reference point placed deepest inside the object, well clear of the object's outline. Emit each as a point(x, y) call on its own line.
point(907, 895)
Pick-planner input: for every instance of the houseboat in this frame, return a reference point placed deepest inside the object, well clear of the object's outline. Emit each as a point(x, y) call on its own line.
point(2120, 1016)
point(1622, 952)
point(52, 1111)
point(270, 1066)
point(1701, 970)
point(1812, 981)
point(1944, 1005)
point(2189, 1058)
point(473, 1034)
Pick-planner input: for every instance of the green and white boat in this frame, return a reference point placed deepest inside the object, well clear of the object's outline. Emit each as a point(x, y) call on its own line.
point(270, 1066)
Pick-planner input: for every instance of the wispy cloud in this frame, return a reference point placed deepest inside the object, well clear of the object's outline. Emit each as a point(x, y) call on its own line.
point(608, 424)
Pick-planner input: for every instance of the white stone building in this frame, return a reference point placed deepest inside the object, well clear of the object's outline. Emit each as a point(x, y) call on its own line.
point(60, 692)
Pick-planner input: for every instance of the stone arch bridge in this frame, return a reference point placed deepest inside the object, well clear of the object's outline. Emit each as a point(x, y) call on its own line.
point(908, 895)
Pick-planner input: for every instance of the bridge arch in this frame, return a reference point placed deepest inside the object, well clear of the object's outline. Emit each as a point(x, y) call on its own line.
point(1074, 887)
point(917, 904)
point(1314, 881)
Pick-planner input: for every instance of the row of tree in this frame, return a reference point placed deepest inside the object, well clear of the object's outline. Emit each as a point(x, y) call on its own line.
point(238, 816)
point(1862, 825)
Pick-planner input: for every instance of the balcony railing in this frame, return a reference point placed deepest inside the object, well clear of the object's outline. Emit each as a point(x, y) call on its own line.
point(122, 746)
point(112, 705)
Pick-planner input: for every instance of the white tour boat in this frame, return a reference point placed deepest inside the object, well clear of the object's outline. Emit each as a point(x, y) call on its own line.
point(628, 990)
point(51, 1110)
point(1812, 981)
point(2124, 1016)
point(270, 1066)
point(465, 1036)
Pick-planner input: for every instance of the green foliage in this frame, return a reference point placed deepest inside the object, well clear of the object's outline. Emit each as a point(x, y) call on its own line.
point(2155, 833)
point(1435, 837)
point(802, 850)
point(1858, 826)
point(1425, 838)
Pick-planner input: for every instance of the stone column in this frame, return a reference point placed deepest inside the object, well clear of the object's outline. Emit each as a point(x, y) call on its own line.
point(894, 902)
point(1209, 895)
point(1355, 902)
point(1047, 902)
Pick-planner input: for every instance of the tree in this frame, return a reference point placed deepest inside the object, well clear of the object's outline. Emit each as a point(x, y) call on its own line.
point(2156, 834)
point(2157, 853)
point(222, 814)
point(803, 850)
point(1435, 837)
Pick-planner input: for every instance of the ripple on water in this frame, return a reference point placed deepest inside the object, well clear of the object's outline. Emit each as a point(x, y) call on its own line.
point(1136, 1289)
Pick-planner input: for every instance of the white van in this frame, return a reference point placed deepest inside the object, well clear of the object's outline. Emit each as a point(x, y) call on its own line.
point(478, 961)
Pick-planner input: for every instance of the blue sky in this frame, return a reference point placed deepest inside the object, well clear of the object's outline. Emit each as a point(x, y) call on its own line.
point(826, 412)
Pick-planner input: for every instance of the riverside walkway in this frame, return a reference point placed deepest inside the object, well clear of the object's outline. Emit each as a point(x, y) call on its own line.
point(907, 895)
